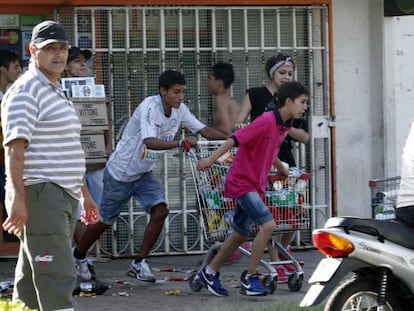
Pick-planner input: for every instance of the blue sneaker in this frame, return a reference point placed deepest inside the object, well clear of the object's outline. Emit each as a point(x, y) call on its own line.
point(252, 286)
point(212, 283)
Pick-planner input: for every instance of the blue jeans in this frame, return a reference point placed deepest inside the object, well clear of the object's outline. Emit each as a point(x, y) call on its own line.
point(94, 182)
point(146, 190)
point(250, 210)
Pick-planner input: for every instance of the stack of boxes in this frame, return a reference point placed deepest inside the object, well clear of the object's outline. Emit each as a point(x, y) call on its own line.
point(93, 114)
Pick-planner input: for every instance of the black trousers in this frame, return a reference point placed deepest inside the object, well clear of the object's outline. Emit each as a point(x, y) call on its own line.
point(405, 215)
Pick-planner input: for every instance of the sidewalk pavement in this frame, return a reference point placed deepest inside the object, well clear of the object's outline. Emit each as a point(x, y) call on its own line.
point(172, 291)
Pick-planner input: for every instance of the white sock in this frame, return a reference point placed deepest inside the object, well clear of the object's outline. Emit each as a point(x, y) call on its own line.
point(210, 271)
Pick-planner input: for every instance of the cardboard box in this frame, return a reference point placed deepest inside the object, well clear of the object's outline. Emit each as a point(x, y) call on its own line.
point(93, 145)
point(92, 114)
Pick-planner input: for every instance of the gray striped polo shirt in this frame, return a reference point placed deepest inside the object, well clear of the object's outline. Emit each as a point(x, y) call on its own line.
point(38, 111)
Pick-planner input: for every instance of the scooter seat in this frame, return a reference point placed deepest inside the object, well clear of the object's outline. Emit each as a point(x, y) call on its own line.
point(391, 230)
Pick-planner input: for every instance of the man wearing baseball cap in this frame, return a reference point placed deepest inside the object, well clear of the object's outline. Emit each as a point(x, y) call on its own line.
point(48, 32)
point(45, 165)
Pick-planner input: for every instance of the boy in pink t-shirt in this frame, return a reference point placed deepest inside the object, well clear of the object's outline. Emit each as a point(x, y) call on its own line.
point(258, 145)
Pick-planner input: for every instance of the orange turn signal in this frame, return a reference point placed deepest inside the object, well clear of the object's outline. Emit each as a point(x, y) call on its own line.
point(332, 245)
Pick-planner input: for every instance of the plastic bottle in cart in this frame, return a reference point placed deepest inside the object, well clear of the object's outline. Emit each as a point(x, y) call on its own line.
point(295, 172)
point(300, 185)
point(278, 185)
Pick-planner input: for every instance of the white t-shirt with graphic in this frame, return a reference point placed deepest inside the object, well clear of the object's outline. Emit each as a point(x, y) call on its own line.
point(131, 158)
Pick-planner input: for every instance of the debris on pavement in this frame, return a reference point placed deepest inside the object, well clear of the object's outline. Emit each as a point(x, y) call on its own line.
point(123, 294)
point(122, 282)
point(175, 279)
point(172, 292)
point(182, 270)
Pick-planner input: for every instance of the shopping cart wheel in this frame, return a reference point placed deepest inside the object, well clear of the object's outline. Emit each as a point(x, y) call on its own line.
point(295, 283)
point(268, 282)
point(195, 284)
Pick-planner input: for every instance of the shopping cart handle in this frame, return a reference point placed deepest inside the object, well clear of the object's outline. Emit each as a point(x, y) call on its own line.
point(210, 142)
point(277, 176)
point(305, 176)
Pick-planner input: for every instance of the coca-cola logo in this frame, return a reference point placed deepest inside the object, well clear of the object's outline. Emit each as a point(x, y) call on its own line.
point(44, 258)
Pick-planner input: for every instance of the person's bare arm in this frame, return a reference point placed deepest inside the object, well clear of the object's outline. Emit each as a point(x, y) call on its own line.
point(299, 135)
point(213, 134)
point(160, 144)
point(282, 170)
point(205, 163)
point(91, 211)
point(14, 161)
point(245, 109)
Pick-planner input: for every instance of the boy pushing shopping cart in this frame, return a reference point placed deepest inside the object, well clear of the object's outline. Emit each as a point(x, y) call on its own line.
point(257, 148)
point(286, 198)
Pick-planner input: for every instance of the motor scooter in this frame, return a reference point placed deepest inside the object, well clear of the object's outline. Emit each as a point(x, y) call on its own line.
point(369, 266)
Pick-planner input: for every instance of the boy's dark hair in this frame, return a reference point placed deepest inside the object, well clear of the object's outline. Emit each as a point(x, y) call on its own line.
point(7, 57)
point(290, 90)
point(223, 71)
point(280, 57)
point(170, 77)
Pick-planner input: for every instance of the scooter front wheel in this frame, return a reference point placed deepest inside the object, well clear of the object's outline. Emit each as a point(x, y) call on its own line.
point(359, 294)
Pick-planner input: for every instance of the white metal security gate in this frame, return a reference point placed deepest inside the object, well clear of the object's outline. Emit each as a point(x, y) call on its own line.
point(132, 45)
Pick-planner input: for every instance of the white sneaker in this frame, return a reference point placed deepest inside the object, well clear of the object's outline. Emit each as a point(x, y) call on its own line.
point(141, 271)
point(82, 269)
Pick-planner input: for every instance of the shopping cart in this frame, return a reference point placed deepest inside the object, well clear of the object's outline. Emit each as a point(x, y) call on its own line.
point(384, 193)
point(286, 198)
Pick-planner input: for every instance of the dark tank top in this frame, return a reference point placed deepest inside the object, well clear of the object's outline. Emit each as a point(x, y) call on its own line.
point(259, 98)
